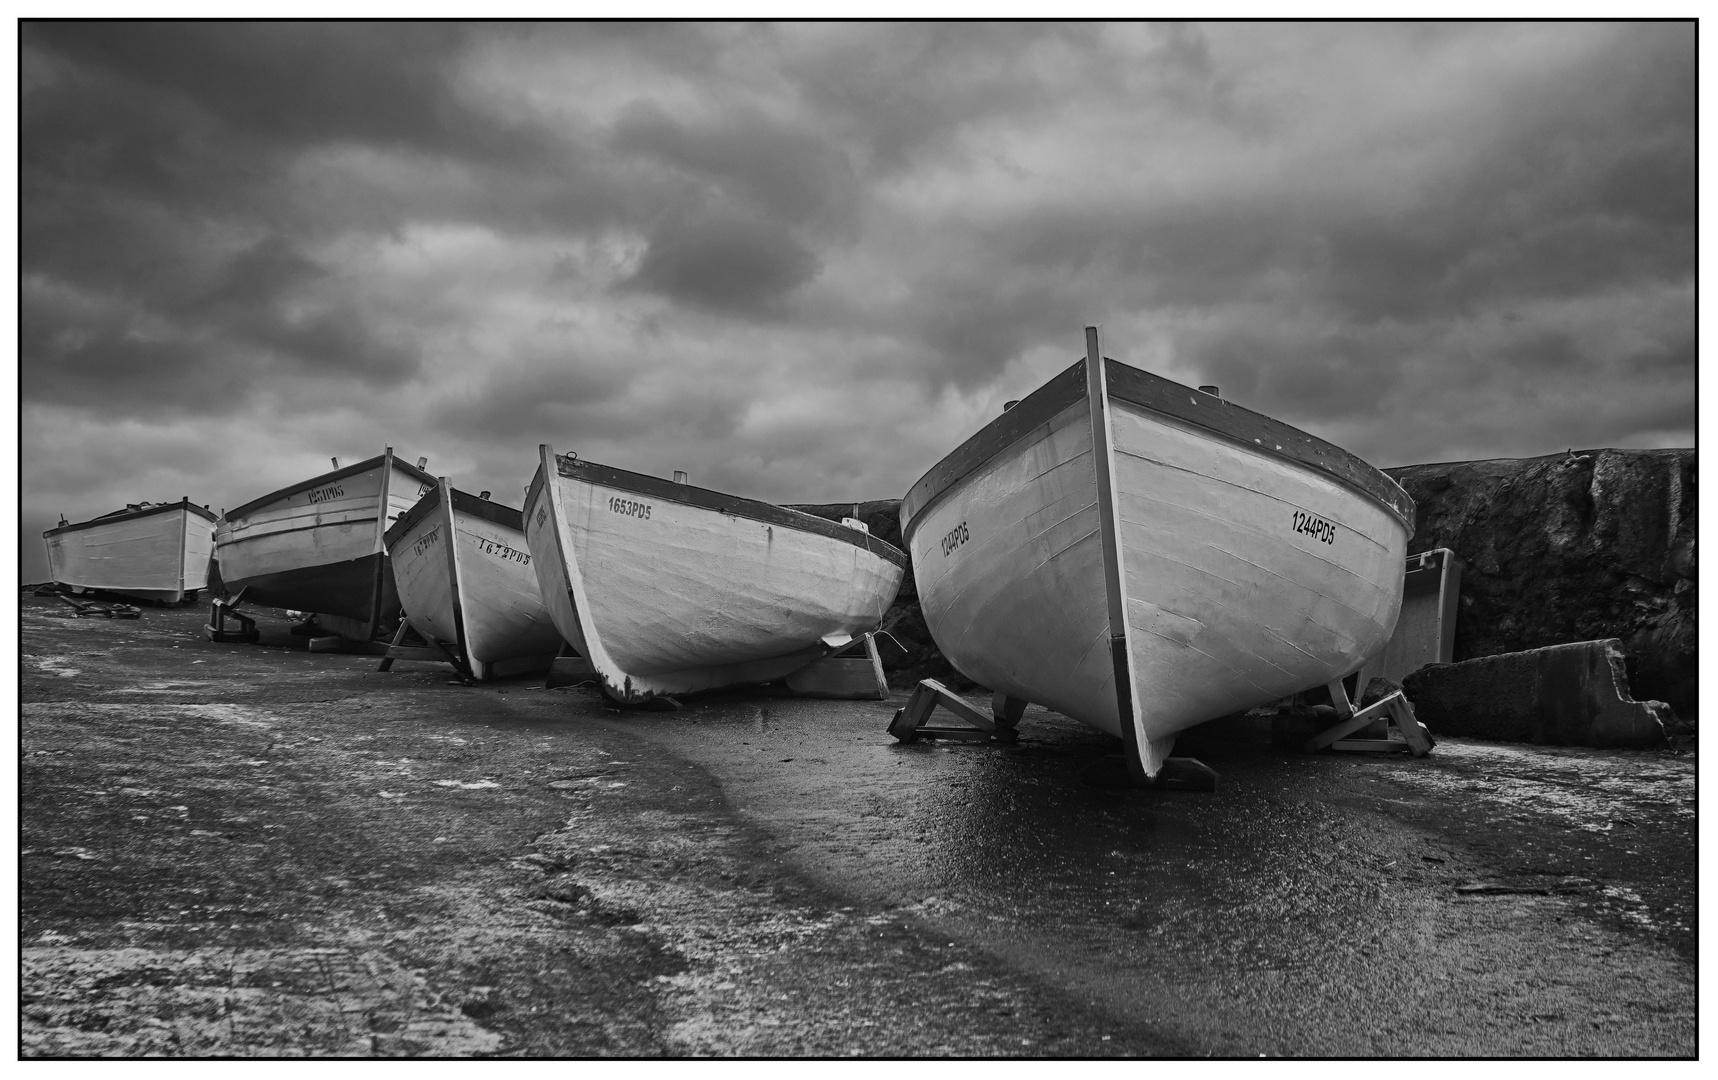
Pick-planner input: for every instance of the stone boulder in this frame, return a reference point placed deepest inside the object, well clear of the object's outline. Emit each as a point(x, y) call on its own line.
point(1572, 547)
point(1563, 695)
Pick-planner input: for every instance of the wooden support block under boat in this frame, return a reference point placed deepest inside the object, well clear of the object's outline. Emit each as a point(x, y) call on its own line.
point(1175, 774)
point(853, 672)
point(569, 669)
point(1006, 711)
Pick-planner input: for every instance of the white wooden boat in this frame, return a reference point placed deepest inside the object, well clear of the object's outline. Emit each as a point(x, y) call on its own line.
point(317, 545)
point(154, 551)
point(464, 578)
point(1143, 557)
point(668, 588)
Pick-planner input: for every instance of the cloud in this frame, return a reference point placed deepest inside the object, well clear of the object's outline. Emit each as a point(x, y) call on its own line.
point(804, 260)
point(725, 262)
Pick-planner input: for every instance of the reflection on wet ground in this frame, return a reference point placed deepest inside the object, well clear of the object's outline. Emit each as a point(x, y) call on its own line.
point(1242, 920)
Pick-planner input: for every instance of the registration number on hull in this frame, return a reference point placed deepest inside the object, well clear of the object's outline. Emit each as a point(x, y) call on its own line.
point(629, 508)
point(1315, 527)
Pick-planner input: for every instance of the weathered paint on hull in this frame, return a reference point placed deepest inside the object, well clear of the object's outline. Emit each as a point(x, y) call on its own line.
point(317, 546)
point(673, 589)
point(485, 598)
point(1228, 591)
point(161, 553)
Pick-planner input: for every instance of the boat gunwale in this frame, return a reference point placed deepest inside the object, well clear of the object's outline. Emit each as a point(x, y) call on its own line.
point(1234, 423)
point(132, 515)
point(734, 505)
point(499, 513)
point(335, 474)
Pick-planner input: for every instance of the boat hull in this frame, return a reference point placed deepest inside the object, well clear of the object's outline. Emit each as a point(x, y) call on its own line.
point(464, 577)
point(667, 588)
point(317, 546)
point(1234, 575)
point(158, 553)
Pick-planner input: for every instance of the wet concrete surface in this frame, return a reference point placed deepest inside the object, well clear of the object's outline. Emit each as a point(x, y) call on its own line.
point(258, 850)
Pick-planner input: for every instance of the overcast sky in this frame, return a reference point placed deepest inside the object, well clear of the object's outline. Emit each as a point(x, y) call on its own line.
point(804, 261)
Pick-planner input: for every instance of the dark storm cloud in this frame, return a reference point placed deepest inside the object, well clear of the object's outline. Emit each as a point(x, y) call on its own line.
point(725, 261)
point(578, 395)
point(766, 167)
point(299, 84)
point(795, 255)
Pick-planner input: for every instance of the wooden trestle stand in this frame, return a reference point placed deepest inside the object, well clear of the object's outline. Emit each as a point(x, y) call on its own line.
point(910, 724)
point(220, 610)
point(1394, 709)
point(420, 648)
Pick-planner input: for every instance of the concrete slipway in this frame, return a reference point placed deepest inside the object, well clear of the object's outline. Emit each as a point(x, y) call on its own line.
point(258, 850)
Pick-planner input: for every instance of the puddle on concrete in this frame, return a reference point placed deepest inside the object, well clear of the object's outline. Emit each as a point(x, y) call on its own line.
point(1591, 790)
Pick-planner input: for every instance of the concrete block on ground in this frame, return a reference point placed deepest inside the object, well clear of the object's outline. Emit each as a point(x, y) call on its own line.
point(1561, 695)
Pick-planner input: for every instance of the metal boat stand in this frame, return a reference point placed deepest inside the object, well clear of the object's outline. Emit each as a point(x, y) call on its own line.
point(853, 672)
point(220, 610)
point(1394, 709)
point(89, 609)
point(423, 649)
point(910, 724)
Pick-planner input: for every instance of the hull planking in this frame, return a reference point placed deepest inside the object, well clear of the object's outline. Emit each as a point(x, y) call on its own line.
point(1174, 568)
point(317, 545)
point(464, 578)
point(153, 553)
point(668, 588)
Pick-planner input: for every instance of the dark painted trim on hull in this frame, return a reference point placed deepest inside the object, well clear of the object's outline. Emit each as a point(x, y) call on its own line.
point(129, 515)
point(329, 477)
point(1038, 407)
point(1255, 429)
point(765, 513)
point(1159, 395)
point(505, 516)
point(358, 589)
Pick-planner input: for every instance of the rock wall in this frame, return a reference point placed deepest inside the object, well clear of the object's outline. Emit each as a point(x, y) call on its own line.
point(1569, 547)
point(1574, 546)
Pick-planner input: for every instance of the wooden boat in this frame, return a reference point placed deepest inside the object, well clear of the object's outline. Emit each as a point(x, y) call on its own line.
point(154, 551)
point(464, 578)
point(668, 588)
point(317, 545)
point(1143, 557)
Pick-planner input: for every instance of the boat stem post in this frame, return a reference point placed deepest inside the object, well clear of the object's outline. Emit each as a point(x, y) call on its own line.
point(909, 723)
